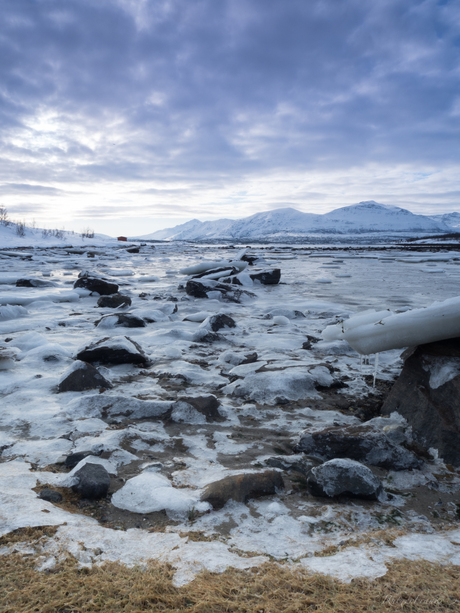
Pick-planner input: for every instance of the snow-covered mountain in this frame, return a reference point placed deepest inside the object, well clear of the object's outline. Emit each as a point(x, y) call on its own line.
point(450, 219)
point(362, 218)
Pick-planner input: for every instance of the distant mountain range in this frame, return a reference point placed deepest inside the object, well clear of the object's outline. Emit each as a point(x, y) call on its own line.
point(363, 218)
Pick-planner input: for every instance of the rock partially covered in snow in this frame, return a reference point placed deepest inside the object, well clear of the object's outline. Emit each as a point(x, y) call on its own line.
point(35, 283)
point(242, 488)
point(427, 394)
point(267, 277)
point(82, 376)
point(344, 477)
point(363, 443)
point(93, 283)
point(213, 289)
point(290, 384)
point(93, 481)
point(122, 320)
point(298, 463)
point(116, 350)
point(114, 301)
point(235, 359)
point(208, 406)
point(217, 322)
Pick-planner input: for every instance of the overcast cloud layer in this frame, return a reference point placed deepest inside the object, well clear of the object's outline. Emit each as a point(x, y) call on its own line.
point(213, 108)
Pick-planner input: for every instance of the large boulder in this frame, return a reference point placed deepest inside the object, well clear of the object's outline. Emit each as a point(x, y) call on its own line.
point(344, 477)
point(114, 301)
point(427, 394)
point(93, 283)
point(116, 350)
point(242, 488)
point(82, 376)
point(362, 442)
point(93, 481)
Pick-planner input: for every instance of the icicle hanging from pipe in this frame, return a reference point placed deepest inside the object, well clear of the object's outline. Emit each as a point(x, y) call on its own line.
point(376, 366)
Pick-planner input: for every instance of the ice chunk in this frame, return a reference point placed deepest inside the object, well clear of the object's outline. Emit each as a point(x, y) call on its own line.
point(150, 492)
point(280, 320)
point(12, 312)
point(204, 266)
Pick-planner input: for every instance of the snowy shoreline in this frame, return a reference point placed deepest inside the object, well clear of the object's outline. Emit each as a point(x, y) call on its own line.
point(261, 408)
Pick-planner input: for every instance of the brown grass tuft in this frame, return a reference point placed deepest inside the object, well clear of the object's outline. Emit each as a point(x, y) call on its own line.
point(113, 588)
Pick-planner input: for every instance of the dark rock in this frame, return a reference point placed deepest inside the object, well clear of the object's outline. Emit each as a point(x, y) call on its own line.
point(196, 289)
point(207, 405)
point(50, 495)
point(233, 280)
point(250, 259)
point(229, 293)
point(250, 358)
point(95, 284)
point(363, 443)
point(433, 410)
point(242, 487)
point(298, 463)
point(344, 477)
point(133, 250)
point(93, 481)
point(217, 322)
point(34, 283)
point(85, 377)
point(74, 458)
point(116, 350)
point(204, 336)
point(125, 320)
point(267, 277)
point(114, 301)
point(311, 340)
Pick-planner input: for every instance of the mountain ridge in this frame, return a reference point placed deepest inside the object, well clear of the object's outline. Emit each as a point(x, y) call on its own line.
point(361, 218)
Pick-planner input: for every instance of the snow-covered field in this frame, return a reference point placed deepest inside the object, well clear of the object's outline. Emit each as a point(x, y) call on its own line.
point(160, 466)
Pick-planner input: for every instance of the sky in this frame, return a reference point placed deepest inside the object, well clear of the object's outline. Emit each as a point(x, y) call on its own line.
point(128, 116)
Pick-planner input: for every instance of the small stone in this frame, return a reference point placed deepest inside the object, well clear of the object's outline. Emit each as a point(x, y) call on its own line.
point(50, 495)
point(94, 481)
point(74, 458)
point(114, 301)
point(83, 377)
point(95, 284)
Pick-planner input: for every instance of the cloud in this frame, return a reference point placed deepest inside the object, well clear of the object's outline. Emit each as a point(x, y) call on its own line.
point(26, 188)
point(171, 98)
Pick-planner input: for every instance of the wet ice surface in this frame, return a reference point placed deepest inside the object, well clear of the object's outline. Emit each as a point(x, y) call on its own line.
point(264, 406)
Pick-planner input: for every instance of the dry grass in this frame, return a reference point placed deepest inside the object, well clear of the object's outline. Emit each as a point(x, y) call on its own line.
point(112, 588)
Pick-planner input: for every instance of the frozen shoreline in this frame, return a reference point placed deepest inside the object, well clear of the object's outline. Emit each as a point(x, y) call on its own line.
point(38, 427)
